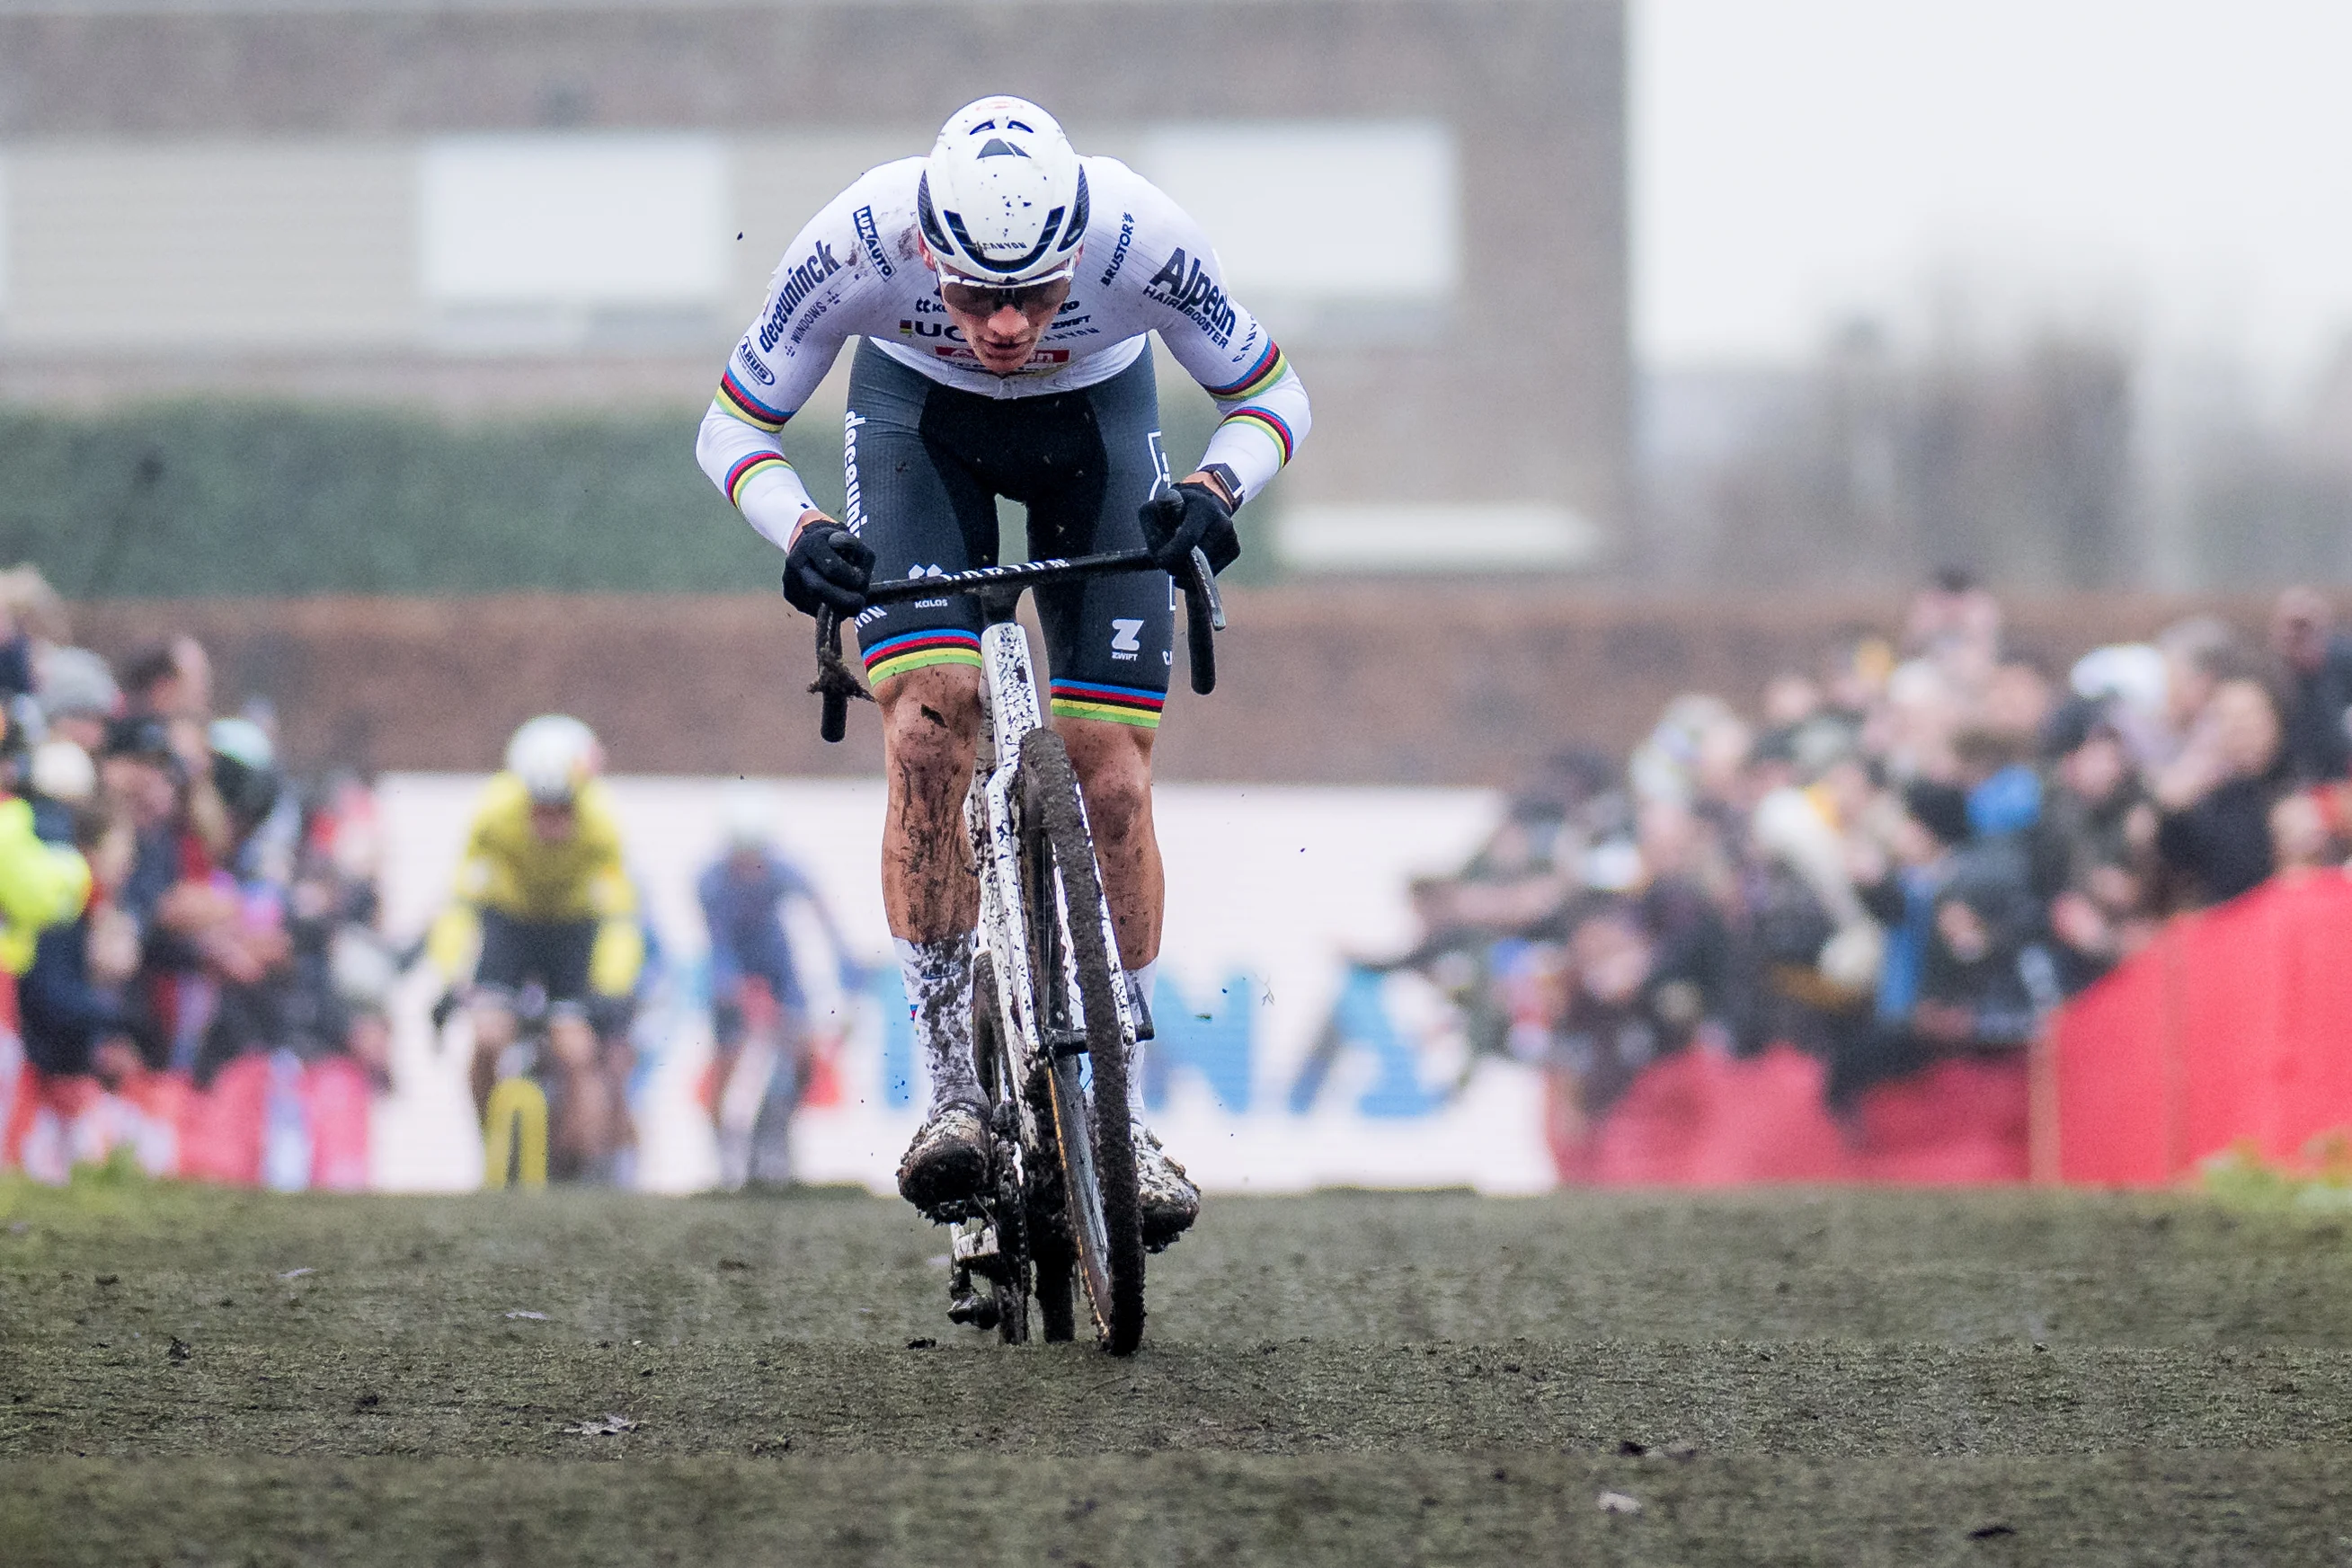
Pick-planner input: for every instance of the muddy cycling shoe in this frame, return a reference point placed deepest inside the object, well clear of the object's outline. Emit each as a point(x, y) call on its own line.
point(1170, 1201)
point(947, 1164)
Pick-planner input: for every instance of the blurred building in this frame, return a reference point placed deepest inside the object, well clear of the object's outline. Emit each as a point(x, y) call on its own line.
point(509, 206)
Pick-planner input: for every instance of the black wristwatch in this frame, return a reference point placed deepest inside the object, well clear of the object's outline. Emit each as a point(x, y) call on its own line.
point(1224, 476)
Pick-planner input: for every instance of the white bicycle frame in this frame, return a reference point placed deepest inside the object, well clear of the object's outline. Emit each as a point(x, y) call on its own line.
point(1029, 1048)
point(1009, 711)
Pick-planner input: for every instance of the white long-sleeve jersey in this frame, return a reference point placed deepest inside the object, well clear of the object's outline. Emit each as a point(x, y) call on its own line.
point(1145, 267)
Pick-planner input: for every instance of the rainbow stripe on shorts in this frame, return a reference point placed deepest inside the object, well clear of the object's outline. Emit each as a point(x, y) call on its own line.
point(1114, 705)
point(920, 650)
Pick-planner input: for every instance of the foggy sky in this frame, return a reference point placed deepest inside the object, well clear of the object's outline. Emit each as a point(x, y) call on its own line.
point(2178, 170)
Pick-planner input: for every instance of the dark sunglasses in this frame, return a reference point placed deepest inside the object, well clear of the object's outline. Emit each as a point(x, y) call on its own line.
point(985, 300)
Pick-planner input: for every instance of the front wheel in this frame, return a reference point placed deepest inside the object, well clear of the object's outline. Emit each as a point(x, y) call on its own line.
point(1077, 1018)
point(1007, 1204)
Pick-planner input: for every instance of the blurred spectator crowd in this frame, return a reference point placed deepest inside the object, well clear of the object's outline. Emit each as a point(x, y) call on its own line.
point(1910, 855)
point(178, 903)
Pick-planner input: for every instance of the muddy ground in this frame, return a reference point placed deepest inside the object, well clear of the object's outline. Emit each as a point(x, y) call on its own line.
point(190, 1377)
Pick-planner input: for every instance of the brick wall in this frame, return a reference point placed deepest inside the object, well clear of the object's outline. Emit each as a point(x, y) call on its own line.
point(1370, 684)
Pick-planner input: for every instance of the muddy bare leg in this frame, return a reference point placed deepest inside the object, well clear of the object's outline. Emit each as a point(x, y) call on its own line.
point(494, 1030)
point(1114, 767)
point(930, 730)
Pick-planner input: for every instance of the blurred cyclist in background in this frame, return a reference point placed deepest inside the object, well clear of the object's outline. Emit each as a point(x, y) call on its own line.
point(757, 998)
point(541, 884)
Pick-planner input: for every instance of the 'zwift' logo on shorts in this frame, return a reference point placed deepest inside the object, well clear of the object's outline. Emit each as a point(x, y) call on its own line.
point(871, 238)
point(798, 284)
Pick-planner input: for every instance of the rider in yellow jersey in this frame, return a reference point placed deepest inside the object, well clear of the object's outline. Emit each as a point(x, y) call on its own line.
point(543, 882)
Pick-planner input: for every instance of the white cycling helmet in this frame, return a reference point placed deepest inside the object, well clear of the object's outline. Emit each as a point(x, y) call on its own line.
point(1003, 199)
point(747, 816)
point(553, 755)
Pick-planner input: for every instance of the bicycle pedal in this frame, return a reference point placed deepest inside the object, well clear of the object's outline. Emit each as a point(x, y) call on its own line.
point(973, 1248)
point(973, 1311)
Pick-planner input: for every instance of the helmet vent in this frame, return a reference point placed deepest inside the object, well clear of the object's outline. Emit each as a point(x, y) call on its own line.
point(1081, 211)
point(1000, 147)
point(929, 217)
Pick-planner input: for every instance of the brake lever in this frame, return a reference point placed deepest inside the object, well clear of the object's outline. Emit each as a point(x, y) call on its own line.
point(834, 681)
point(1204, 614)
point(1207, 581)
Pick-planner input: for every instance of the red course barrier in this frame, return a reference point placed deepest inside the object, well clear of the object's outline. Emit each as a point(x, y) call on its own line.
point(2235, 1027)
point(1699, 1118)
point(50, 1124)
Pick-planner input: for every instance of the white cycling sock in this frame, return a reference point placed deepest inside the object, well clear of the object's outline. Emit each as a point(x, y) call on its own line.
point(938, 976)
point(1139, 987)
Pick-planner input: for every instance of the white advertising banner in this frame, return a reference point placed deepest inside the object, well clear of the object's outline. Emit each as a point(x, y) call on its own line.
point(1278, 1066)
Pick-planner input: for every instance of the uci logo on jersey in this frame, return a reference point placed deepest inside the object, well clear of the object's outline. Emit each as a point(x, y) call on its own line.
point(798, 284)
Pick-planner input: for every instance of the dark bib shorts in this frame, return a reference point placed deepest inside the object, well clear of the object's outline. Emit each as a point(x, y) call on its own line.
point(554, 953)
point(926, 463)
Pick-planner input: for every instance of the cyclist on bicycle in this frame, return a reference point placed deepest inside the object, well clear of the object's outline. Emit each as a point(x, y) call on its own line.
point(755, 973)
point(1005, 288)
point(542, 884)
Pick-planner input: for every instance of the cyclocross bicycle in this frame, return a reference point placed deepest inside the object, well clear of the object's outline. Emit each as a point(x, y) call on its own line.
point(1052, 1030)
point(755, 1098)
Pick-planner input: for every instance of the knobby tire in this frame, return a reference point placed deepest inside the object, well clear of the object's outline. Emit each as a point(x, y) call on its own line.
point(994, 1069)
point(1053, 821)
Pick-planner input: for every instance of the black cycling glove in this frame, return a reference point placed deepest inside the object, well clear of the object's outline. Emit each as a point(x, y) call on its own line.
point(828, 566)
point(1185, 515)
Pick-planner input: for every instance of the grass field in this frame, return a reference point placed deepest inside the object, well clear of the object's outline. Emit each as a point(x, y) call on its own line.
point(192, 1377)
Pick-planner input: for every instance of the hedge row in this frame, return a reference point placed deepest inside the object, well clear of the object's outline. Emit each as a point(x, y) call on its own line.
point(239, 498)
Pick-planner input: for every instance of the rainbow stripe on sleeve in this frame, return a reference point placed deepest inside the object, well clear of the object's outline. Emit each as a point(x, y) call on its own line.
point(747, 408)
point(918, 649)
point(1270, 368)
point(745, 468)
point(1266, 420)
point(1116, 705)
